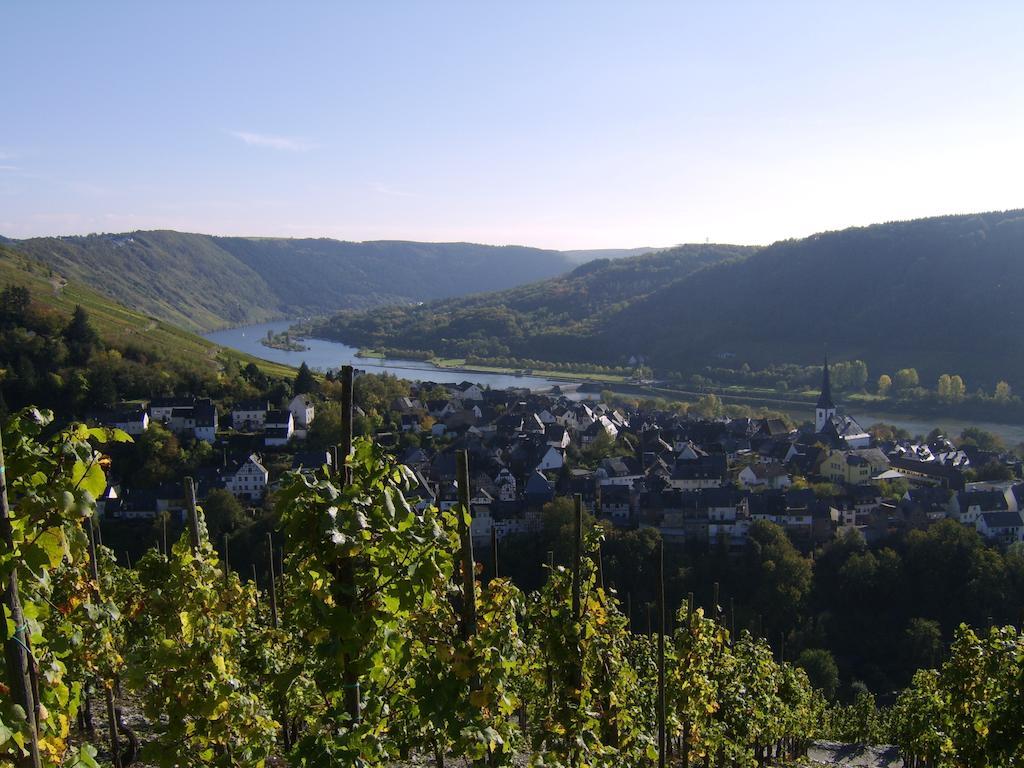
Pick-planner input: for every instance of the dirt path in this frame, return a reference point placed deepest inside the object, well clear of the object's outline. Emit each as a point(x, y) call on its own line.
point(834, 753)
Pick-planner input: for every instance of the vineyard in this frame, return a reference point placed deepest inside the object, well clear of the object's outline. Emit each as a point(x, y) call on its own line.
point(376, 636)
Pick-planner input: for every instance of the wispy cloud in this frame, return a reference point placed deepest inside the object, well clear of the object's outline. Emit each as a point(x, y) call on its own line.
point(282, 143)
point(8, 168)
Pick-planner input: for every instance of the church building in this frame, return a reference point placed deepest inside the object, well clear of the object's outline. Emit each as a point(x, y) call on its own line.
point(836, 430)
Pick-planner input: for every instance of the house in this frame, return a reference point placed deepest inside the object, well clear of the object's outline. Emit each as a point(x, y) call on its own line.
point(161, 408)
point(619, 471)
point(928, 472)
point(505, 483)
point(617, 504)
point(470, 391)
point(310, 461)
point(278, 428)
point(132, 419)
point(969, 506)
point(551, 458)
point(708, 471)
point(557, 436)
point(764, 476)
point(1004, 527)
point(538, 490)
point(302, 411)
point(249, 415)
point(183, 420)
point(204, 423)
point(247, 478)
point(846, 467)
point(600, 425)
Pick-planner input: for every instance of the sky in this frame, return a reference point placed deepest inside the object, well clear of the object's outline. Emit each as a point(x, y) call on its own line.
point(552, 124)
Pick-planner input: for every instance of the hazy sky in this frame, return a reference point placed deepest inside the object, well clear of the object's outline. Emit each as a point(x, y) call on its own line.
point(566, 125)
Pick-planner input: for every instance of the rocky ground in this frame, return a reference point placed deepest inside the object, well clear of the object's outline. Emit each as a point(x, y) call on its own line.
point(853, 755)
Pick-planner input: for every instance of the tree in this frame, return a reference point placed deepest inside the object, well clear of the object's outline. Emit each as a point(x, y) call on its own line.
point(778, 574)
point(957, 388)
point(985, 441)
point(325, 431)
point(709, 406)
point(884, 384)
point(944, 386)
point(223, 513)
point(923, 643)
point(821, 670)
point(1003, 392)
point(304, 381)
point(14, 302)
point(907, 378)
point(80, 337)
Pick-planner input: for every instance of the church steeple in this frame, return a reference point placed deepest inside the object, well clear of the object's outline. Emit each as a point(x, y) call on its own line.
point(825, 409)
point(825, 399)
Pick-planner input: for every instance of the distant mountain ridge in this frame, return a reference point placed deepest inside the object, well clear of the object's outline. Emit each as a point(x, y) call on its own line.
point(585, 255)
point(203, 282)
point(943, 295)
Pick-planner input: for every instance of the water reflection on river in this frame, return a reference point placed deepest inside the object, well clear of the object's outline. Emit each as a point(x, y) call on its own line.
point(323, 354)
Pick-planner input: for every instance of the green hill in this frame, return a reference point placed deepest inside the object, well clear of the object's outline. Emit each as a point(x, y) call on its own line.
point(118, 326)
point(558, 319)
point(201, 282)
point(940, 294)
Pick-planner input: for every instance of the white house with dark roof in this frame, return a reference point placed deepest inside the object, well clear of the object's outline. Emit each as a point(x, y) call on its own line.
point(132, 419)
point(278, 428)
point(247, 478)
point(249, 415)
point(302, 411)
point(1005, 527)
point(205, 420)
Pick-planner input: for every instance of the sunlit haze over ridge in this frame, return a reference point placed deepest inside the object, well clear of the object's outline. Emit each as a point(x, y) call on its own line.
point(568, 125)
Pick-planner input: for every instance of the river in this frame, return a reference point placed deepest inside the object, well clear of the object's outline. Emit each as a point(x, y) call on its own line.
point(322, 355)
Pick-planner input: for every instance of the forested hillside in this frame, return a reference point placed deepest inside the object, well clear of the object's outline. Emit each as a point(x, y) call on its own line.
point(112, 353)
point(201, 282)
point(939, 294)
point(559, 319)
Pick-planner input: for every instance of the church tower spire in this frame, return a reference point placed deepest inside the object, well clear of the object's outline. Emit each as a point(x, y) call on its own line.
point(825, 409)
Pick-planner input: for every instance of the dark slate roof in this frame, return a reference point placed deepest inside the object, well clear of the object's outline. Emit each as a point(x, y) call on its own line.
point(1002, 519)
point(252, 405)
point(989, 501)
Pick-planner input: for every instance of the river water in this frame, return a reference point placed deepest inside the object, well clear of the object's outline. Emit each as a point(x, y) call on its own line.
point(323, 354)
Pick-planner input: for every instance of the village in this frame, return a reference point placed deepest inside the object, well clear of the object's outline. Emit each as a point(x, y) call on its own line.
point(691, 479)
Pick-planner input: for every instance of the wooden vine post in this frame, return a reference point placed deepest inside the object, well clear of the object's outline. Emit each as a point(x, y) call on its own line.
point(661, 655)
point(115, 746)
point(494, 549)
point(272, 586)
point(577, 608)
point(227, 563)
point(346, 574)
point(466, 541)
point(193, 515)
point(577, 556)
point(256, 589)
point(469, 616)
point(16, 653)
